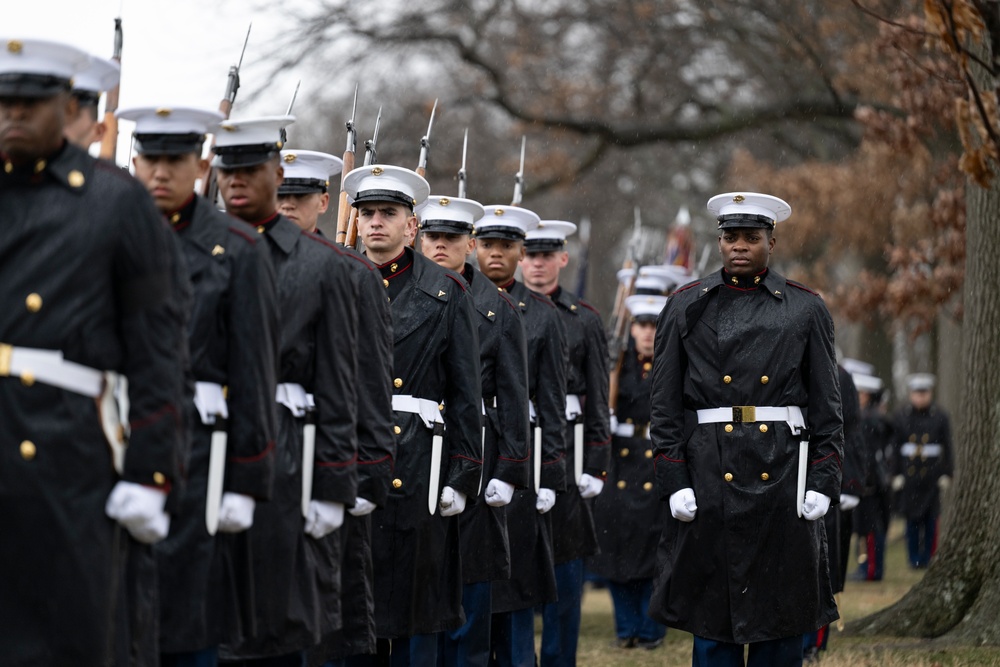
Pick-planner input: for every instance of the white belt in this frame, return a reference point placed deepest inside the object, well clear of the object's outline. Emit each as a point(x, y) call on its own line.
point(791, 415)
point(48, 366)
point(629, 431)
point(492, 405)
point(294, 397)
point(429, 411)
point(532, 415)
point(931, 450)
point(573, 407)
point(210, 400)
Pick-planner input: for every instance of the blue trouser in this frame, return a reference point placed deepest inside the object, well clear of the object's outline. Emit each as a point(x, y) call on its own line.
point(785, 652)
point(513, 638)
point(561, 619)
point(470, 644)
point(921, 538)
point(297, 659)
point(816, 639)
point(631, 600)
point(208, 657)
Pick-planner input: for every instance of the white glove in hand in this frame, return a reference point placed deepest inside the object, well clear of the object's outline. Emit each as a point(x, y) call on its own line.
point(897, 482)
point(236, 512)
point(848, 502)
point(323, 518)
point(140, 510)
point(362, 507)
point(815, 506)
point(452, 502)
point(590, 486)
point(499, 493)
point(682, 505)
point(546, 500)
point(944, 481)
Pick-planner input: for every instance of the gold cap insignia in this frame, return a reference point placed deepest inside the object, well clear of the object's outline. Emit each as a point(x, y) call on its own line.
point(163, 111)
point(377, 171)
point(291, 157)
point(228, 127)
point(15, 46)
point(541, 224)
point(739, 199)
point(75, 178)
point(278, 144)
point(327, 182)
point(444, 201)
point(498, 211)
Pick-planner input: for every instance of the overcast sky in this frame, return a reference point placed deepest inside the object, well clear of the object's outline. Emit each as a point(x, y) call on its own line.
point(175, 52)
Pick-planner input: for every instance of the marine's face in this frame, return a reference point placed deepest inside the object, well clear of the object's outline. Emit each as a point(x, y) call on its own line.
point(745, 250)
point(498, 258)
point(31, 128)
point(644, 333)
point(304, 209)
point(250, 193)
point(446, 249)
point(385, 226)
point(921, 400)
point(541, 269)
point(169, 178)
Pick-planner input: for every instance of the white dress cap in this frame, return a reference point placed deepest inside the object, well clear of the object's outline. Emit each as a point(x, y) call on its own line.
point(37, 67)
point(100, 76)
point(244, 143)
point(506, 222)
point(170, 130)
point(307, 171)
point(920, 382)
point(866, 383)
point(625, 276)
point(452, 215)
point(645, 306)
point(549, 235)
point(671, 274)
point(856, 366)
point(386, 183)
point(748, 209)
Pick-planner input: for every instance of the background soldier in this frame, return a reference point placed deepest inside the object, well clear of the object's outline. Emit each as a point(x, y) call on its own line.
point(446, 238)
point(437, 405)
point(745, 336)
point(204, 578)
point(88, 270)
point(87, 128)
point(628, 514)
point(922, 465)
point(500, 246)
point(296, 571)
point(304, 194)
point(587, 438)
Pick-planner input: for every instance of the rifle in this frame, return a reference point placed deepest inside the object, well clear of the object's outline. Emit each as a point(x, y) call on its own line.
point(370, 157)
point(619, 317)
point(425, 144)
point(210, 189)
point(109, 142)
point(461, 172)
point(519, 179)
point(344, 206)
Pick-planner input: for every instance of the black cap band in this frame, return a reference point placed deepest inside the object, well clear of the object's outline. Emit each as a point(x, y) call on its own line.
point(302, 186)
point(500, 232)
point(19, 84)
point(544, 245)
point(646, 317)
point(244, 155)
point(648, 291)
point(394, 196)
point(736, 220)
point(446, 226)
point(169, 144)
point(87, 97)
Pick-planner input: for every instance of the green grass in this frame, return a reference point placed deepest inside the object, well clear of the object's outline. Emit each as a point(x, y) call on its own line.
point(858, 600)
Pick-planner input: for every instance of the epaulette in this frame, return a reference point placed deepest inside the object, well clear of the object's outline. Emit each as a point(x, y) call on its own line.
point(686, 287)
point(589, 307)
point(801, 287)
point(544, 299)
point(249, 238)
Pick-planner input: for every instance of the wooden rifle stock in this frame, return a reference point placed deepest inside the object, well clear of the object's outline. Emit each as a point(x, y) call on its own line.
point(344, 207)
point(619, 335)
point(109, 142)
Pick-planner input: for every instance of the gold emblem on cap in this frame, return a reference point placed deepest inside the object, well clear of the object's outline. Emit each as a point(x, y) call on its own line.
point(739, 199)
point(377, 171)
point(444, 201)
point(541, 224)
point(228, 127)
point(15, 46)
point(75, 178)
point(163, 111)
point(498, 211)
point(291, 157)
point(279, 144)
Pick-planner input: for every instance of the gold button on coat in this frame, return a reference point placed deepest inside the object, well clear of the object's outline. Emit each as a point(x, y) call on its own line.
point(648, 486)
point(159, 479)
point(397, 383)
point(33, 302)
point(729, 428)
point(764, 476)
point(621, 484)
point(764, 379)
point(727, 379)
point(397, 430)
point(27, 378)
point(729, 477)
point(28, 450)
point(649, 453)
point(396, 483)
point(763, 428)
point(624, 451)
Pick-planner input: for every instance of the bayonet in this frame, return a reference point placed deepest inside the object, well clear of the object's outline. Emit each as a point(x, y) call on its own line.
point(461, 172)
point(425, 143)
point(519, 178)
point(109, 143)
point(344, 209)
point(352, 133)
point(233, 81)
point(371, 144)
point(291, 105)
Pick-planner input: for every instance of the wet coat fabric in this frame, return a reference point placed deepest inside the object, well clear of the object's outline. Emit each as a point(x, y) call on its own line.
point(920, 496)
point(746, 569)
point(88, 267)
point(205, 580)
point(418, 575)
point(587, 377)
point(295, 575)
point(628, 513)
point(532, 579)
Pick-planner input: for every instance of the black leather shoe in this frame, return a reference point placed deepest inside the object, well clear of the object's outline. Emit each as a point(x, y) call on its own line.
point(650, 644)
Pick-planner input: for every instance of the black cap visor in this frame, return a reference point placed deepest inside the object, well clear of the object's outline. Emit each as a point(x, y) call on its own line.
point(446, 226)
point(169, 144)
point(234, 157)
point(544, 245)
point(505, 232)
point(741, 220)
point(301, 186)
point(32, 86)
point(394, 196)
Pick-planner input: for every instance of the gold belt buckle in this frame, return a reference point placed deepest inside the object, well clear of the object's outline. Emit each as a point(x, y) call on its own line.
point(6, 352)
point(744, 413)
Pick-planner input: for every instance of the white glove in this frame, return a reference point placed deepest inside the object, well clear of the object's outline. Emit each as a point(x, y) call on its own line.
point(590, 486)
point(452, 502)
point(323, 518)
point(140, 510)
point(815, 506)
point(848, 502)
point(362, 507)
point(944, 482)
point(499, 493)
point(236, 512)
point(546, 500)
point(897, 482)
point(682, 505)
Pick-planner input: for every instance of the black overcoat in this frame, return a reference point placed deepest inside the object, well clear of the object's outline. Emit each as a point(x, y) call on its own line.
point(912, 430)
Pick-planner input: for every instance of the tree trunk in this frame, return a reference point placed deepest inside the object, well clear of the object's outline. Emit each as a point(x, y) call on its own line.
point(959, 596)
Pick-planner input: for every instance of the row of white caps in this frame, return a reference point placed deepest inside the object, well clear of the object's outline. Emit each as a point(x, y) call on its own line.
point(63, 61)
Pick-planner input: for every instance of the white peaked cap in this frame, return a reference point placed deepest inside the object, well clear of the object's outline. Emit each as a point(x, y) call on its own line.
point(645, 305)
point(171, 120)
point(866, 383)
point(101, 75)
point(449, 214)
point(308, 171)
point(510, 222)
point(383, 182)
point(920, 382)
point(25, 64)
point(748, 205)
